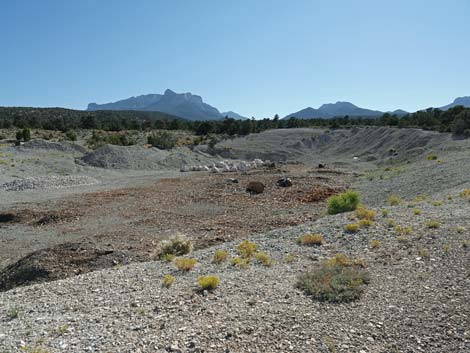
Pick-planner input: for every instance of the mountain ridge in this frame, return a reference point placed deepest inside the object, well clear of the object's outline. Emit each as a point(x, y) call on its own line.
point(185, 105)
point(340, 108)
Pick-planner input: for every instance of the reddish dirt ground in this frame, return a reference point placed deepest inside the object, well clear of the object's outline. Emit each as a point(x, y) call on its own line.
point(207, 208)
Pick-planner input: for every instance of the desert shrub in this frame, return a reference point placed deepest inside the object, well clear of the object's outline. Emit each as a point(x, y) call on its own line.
point(19, 135)
point(431, 157)
point(168, 281)
point(460, 229)
point(242, 262)
point(168, 257)
point(71, 135)
point(163, 140)
point(352, 227)
point(417, 212)
point(334, 281)
point(26, 135)
point(374, 243)
point(385, 212)
point(345, 202)
point(311, 239)
point(264, 259)
point(208, 282)
point(100, 138)
point(176, 246)
point(62, 330)
point(402, 239)
point(433, 224)
point(420, 198)
point(220, 256)
point(394, 200)
point(390, 223)
point(437, 203)
point(343, 260)
point(365, 223)
point(465, 194)
point(403, 230)
point(364, 213)
point(290, 258)
point(185, 264)
point(424, 253)
point(466, 244)
point(33, 349)
point(13, 313)
point(247, 249)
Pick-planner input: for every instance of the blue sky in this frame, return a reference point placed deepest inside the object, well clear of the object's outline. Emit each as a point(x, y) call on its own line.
point(256, 57)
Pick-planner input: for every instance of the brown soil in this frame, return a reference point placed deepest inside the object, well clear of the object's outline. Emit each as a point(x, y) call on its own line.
point(207, 208)
point(59, 262)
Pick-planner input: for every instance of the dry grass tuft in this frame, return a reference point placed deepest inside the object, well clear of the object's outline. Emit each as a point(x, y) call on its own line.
point(375, 244)
point(264, 259)
point(394, 200)
point(208, 282)
point(242, 262)
point(185, 264)
point(220, 256)
point(311, 240)
point(365, 223)
point(168, 281)
point(352, 227)
point(247, 249)
point(433, 224)
point(364, 213)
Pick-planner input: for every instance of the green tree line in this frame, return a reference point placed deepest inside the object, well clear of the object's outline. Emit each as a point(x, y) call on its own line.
point(455, 120)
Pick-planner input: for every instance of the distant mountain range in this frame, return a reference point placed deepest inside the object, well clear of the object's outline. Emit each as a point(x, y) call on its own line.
point(234, 115)
point(345, 108)
point(184, 105)
point(192, 107)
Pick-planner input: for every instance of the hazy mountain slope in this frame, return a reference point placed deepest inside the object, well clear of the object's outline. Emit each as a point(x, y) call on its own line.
point(234, 115)
point(465, 101)
point(132, 103)
point(331, 110)
point(338, 109)
point(185, 105)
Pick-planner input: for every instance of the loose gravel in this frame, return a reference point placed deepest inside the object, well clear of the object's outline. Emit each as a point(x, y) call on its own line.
point(48, 182)
point(417, 301)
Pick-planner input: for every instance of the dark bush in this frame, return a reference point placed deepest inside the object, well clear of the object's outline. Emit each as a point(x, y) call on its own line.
point(163, 140)
point(335, 281)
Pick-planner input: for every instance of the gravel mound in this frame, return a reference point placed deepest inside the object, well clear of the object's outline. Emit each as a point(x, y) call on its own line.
point(63, 146)
point(59, 262)
point(417, 299)
point(121, 157)
point(47, 182)
point(140, 158)
point(369, 144)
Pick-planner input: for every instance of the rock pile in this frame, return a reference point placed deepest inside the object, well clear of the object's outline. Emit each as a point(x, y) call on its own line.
point(225, 166)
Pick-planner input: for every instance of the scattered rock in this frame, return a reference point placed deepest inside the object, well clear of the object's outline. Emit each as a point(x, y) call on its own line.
point(284, 182)
point(255, 187)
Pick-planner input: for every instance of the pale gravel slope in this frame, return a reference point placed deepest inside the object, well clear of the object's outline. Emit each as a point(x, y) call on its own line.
point(413, 304)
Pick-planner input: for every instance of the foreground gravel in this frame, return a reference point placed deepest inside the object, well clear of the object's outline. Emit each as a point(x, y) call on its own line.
point(417, 301)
